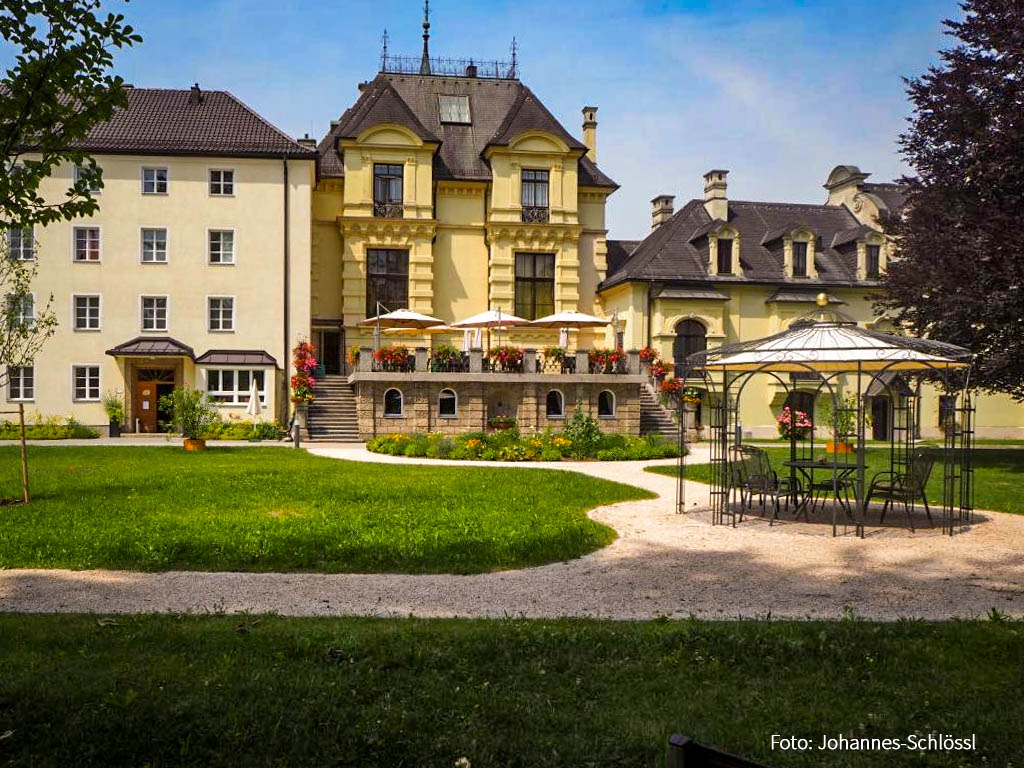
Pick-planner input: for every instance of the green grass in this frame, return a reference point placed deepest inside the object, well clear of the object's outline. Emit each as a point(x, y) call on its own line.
point(998, 475)
point(271, 509)
point(267, 691)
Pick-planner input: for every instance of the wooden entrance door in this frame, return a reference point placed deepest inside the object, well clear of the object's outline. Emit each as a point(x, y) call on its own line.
point(150, 385)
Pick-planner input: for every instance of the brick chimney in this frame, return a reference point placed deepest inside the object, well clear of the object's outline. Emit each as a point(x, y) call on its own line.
point(662, 208)
point(590, 132)
point(715, 201)
point(307, 141)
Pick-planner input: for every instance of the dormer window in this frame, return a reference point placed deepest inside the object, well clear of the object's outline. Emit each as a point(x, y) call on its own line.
point(799, 259)
point(725, 256)
point(535, 195)
point(873, 261)
point(387, 191)
point(454, 109)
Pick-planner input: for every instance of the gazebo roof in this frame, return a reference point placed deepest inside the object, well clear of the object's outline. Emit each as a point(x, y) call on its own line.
point(829, 342)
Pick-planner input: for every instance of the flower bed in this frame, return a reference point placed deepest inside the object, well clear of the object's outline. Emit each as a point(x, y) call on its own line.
point(47, 428)
point(509, 445)
point(302, 381)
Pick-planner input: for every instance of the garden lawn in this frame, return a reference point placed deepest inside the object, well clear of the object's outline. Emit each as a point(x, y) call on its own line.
point(998, 476)
point(277, 509)
point(268, 691)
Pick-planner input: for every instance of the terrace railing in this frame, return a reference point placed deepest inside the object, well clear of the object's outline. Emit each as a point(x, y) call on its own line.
point(476, 361)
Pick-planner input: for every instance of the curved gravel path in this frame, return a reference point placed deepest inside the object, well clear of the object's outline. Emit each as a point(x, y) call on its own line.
point(662, 564)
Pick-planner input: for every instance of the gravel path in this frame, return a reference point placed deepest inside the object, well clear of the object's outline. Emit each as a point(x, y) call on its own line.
point(662, 564)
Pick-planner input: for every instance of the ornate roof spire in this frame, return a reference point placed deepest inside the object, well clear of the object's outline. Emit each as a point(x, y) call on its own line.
point(425, 60)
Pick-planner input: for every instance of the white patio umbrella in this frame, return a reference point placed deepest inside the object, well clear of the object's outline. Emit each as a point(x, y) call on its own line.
point(570, 318)
point(254, 401)
point(400, 318)
point(421, 331)
point(492, 318)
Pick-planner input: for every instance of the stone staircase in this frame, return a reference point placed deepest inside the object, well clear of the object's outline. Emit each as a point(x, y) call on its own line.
point(655, 418)
point(332, 414)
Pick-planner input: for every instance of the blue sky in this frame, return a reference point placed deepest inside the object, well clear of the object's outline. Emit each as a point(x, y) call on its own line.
point(777, 92)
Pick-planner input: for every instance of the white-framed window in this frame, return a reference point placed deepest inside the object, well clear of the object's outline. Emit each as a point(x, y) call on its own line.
point(21, 244)
point(154, 313)
point(85, 382)
point(85, 312)
point(222, 182)
point(21, 383)
point(21, 311)
point(454, 108)
point(222, 246)
point(154, 245)
point(230, 386)
point(221, 313)
point(154, 181)
point(606, 404)
point(78, 177)
point(86, 244)
point(447, 404)
point(555, 405)
point(393, 402)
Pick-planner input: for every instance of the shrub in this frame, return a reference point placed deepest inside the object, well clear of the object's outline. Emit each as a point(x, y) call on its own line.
point(550, 454)
point(489, 454)
point(193, 415)
point(584, 433)
point(48, 428)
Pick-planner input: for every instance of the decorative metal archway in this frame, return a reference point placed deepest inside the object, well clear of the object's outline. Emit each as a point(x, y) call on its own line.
point(831, 352)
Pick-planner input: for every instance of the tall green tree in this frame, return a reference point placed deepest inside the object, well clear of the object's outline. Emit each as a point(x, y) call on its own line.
point(59, 86)
point(958, 275)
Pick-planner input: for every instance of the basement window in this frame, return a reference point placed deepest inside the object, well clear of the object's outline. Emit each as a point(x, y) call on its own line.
point(454, 109)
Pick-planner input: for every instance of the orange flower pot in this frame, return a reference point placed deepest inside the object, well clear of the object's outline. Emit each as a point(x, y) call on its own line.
point(193, 446)
point(834, 447)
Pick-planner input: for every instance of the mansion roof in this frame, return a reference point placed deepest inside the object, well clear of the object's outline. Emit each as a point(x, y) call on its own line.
point(190, 122)
point(679, 249)
point(500, 109)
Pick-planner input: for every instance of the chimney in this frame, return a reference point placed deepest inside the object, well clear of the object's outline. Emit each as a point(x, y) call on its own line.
point(661, 210)
point(715, 201)
point(471, 69)
point(590, 132)
point(196, 96)
point(307, 141)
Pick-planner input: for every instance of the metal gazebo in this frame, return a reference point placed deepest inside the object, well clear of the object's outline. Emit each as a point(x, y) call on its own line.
point(830, 354)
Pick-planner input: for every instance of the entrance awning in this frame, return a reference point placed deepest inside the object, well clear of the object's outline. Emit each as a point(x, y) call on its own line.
point(236, 357)
point(152, 346)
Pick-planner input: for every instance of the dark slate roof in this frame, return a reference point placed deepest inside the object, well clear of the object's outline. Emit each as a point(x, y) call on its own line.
point(892, 195)
point(499, 109)
point(685, 292)
point(174, 122)
point(618, 252)
point(150, 346)
point(236, 357)
point(678, 250)
point(787, 296)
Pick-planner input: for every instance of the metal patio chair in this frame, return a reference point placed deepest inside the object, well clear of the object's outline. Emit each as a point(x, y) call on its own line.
point(756, 478)
point(907, 487)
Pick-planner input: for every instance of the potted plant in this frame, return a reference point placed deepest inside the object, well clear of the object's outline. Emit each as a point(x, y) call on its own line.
point(394, 358)
point(554, 357)
point(192, 416)
point(501, 421)
point(792, 423)
point(506, 358)
point(113, 404)
point(605, 360)
point(352, 358)
point(657, 369)
point(445, 358)
point(842, 423)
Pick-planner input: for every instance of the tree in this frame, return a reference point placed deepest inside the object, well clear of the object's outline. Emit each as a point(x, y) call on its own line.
point(25, 325)
point(958, 271)
point(57, 89)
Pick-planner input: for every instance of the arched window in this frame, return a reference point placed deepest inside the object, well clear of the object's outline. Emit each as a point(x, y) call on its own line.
point(691, 336)
point(393, 402)
point(447, 403)
point(555, 405)
point(606, 404)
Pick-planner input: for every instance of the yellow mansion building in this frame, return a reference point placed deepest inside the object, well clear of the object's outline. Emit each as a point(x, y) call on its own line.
point(221, 242)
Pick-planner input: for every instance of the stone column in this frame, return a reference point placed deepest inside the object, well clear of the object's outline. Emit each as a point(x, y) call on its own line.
point(582, 362)
point(366, 359)
point(529, 361)
point(421, 359)
point(633, 361)
point(476, 360)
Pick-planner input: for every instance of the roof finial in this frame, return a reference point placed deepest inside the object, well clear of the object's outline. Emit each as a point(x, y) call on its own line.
point(425, 61)
point(514, 71)
point(384, 51)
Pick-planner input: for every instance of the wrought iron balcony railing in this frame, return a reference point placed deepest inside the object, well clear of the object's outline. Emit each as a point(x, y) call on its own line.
point(535, 214)
point(388, 210)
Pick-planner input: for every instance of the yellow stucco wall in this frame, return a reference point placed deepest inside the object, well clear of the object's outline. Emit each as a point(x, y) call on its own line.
point(187, 211)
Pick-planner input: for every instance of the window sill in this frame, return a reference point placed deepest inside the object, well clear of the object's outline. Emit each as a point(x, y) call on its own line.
point(555, 418)
point(20, 400)
point(85, 399)
point(394, 415)
point(610, 416)
point(153, 330)
point(87, 261)
point(220, 330)
point(220, 263)
point(220, 194)
point(148, 263)
point(86, 330)
point(155, 194)
point(452, 417)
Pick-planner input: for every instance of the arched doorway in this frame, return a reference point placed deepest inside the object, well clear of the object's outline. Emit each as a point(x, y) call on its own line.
point(691, 336)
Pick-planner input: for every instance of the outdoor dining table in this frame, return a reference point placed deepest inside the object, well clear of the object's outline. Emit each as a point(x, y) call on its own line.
point(842, 470)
